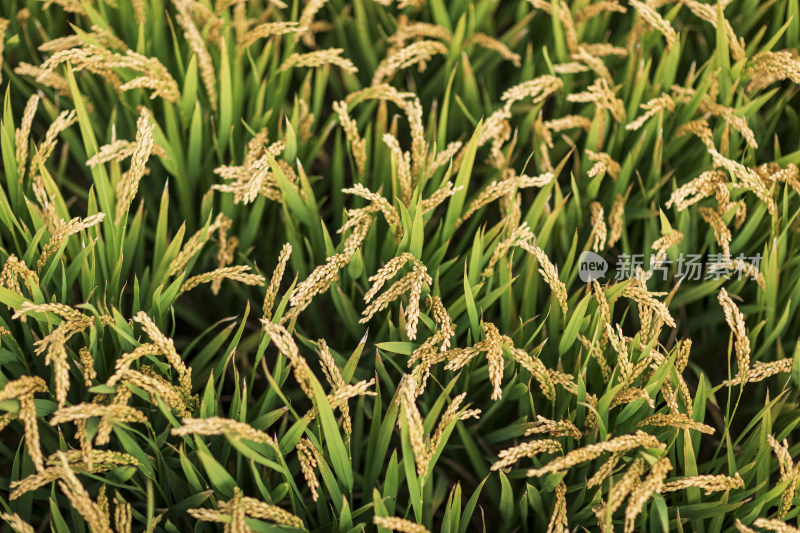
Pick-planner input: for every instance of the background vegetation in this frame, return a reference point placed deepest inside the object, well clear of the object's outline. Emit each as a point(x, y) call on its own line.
point(167, 363)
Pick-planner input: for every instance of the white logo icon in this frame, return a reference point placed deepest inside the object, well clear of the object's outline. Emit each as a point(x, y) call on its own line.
point(591, 266)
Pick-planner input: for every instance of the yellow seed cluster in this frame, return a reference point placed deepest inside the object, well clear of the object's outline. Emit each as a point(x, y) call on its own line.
point(331, 56)
point(23, 133)
point(652, 483)
point(549, 273)
point(424, 446)
point(63, 232)
point(358, 145)
point(558, 520)
point(240, 274)
point(708, 483)
point(322, 277)
point(3, 27)
point(14, 271)
point(222, 426)
point(556, 428)
point(235, 510)
point(599, 229)
point(417, 53)
point(490, 43)
point(537, 89)
point(79, 497)
point(399, 524)
point(275, 281)
point(499, 189)
point(103, 62)
point(307, 455)
point(589, 452)
point(256, 177)
point(656, 21)
point(413, 283)
point(141, 152)
point(767, 67)
point(677, 420)
point(652, 108)
point(269, 29)
point(735, 320)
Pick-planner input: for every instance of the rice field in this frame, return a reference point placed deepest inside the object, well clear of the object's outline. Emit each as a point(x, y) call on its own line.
point(415, 265)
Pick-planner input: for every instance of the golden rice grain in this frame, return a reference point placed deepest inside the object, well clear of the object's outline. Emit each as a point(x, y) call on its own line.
point(323, 276)
point(144, 146)
point(735, 320)
point(358, 145)
point(157, 387)
point(778, 526)
point(64, 120)
point(603, 163)
point(599, 229)
point(401, 167)
point(74, 490)
point(708, 483)
point(275, 281)
point(708, 13)
point(3, 27)
point(556, 428)
point(652, 484)
point(642, 296)
point(656, 21)
point(15, 269)
point(616, 218)
point(83, 411)
point(496, 190)
point(123, 516)
point(319, 58)
point(13, 519)
point(417, 53)
point(721, 231)
point(630, 482)
point(767, 67)
point(413, 283)
point(399, 524)
point(198, 46)
point(490, 43)
point(538, 89)
point(306, 454)
point(549, 273)
point(603, 473)
point(288, 348)
point(413, 420)
point(167, 348)
point(101, 461)
point(408, 30)
point(631, 394)
point(604, 98)
point(598, 8)
point(558, 520)
point(593, 451)
point(239, 274)
point(269, 29)
point(652, 108)
point(23, 133)
point(380, 203)
point(193, 245)
point(677, 420)
point(216, 425)
point(662, 244)
point(63, 232)
point(518, 235)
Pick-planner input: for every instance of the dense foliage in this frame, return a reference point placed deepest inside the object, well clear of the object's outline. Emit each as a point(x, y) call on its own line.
point(317, 265)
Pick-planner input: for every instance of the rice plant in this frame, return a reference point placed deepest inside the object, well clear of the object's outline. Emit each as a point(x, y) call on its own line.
point(418, 266)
